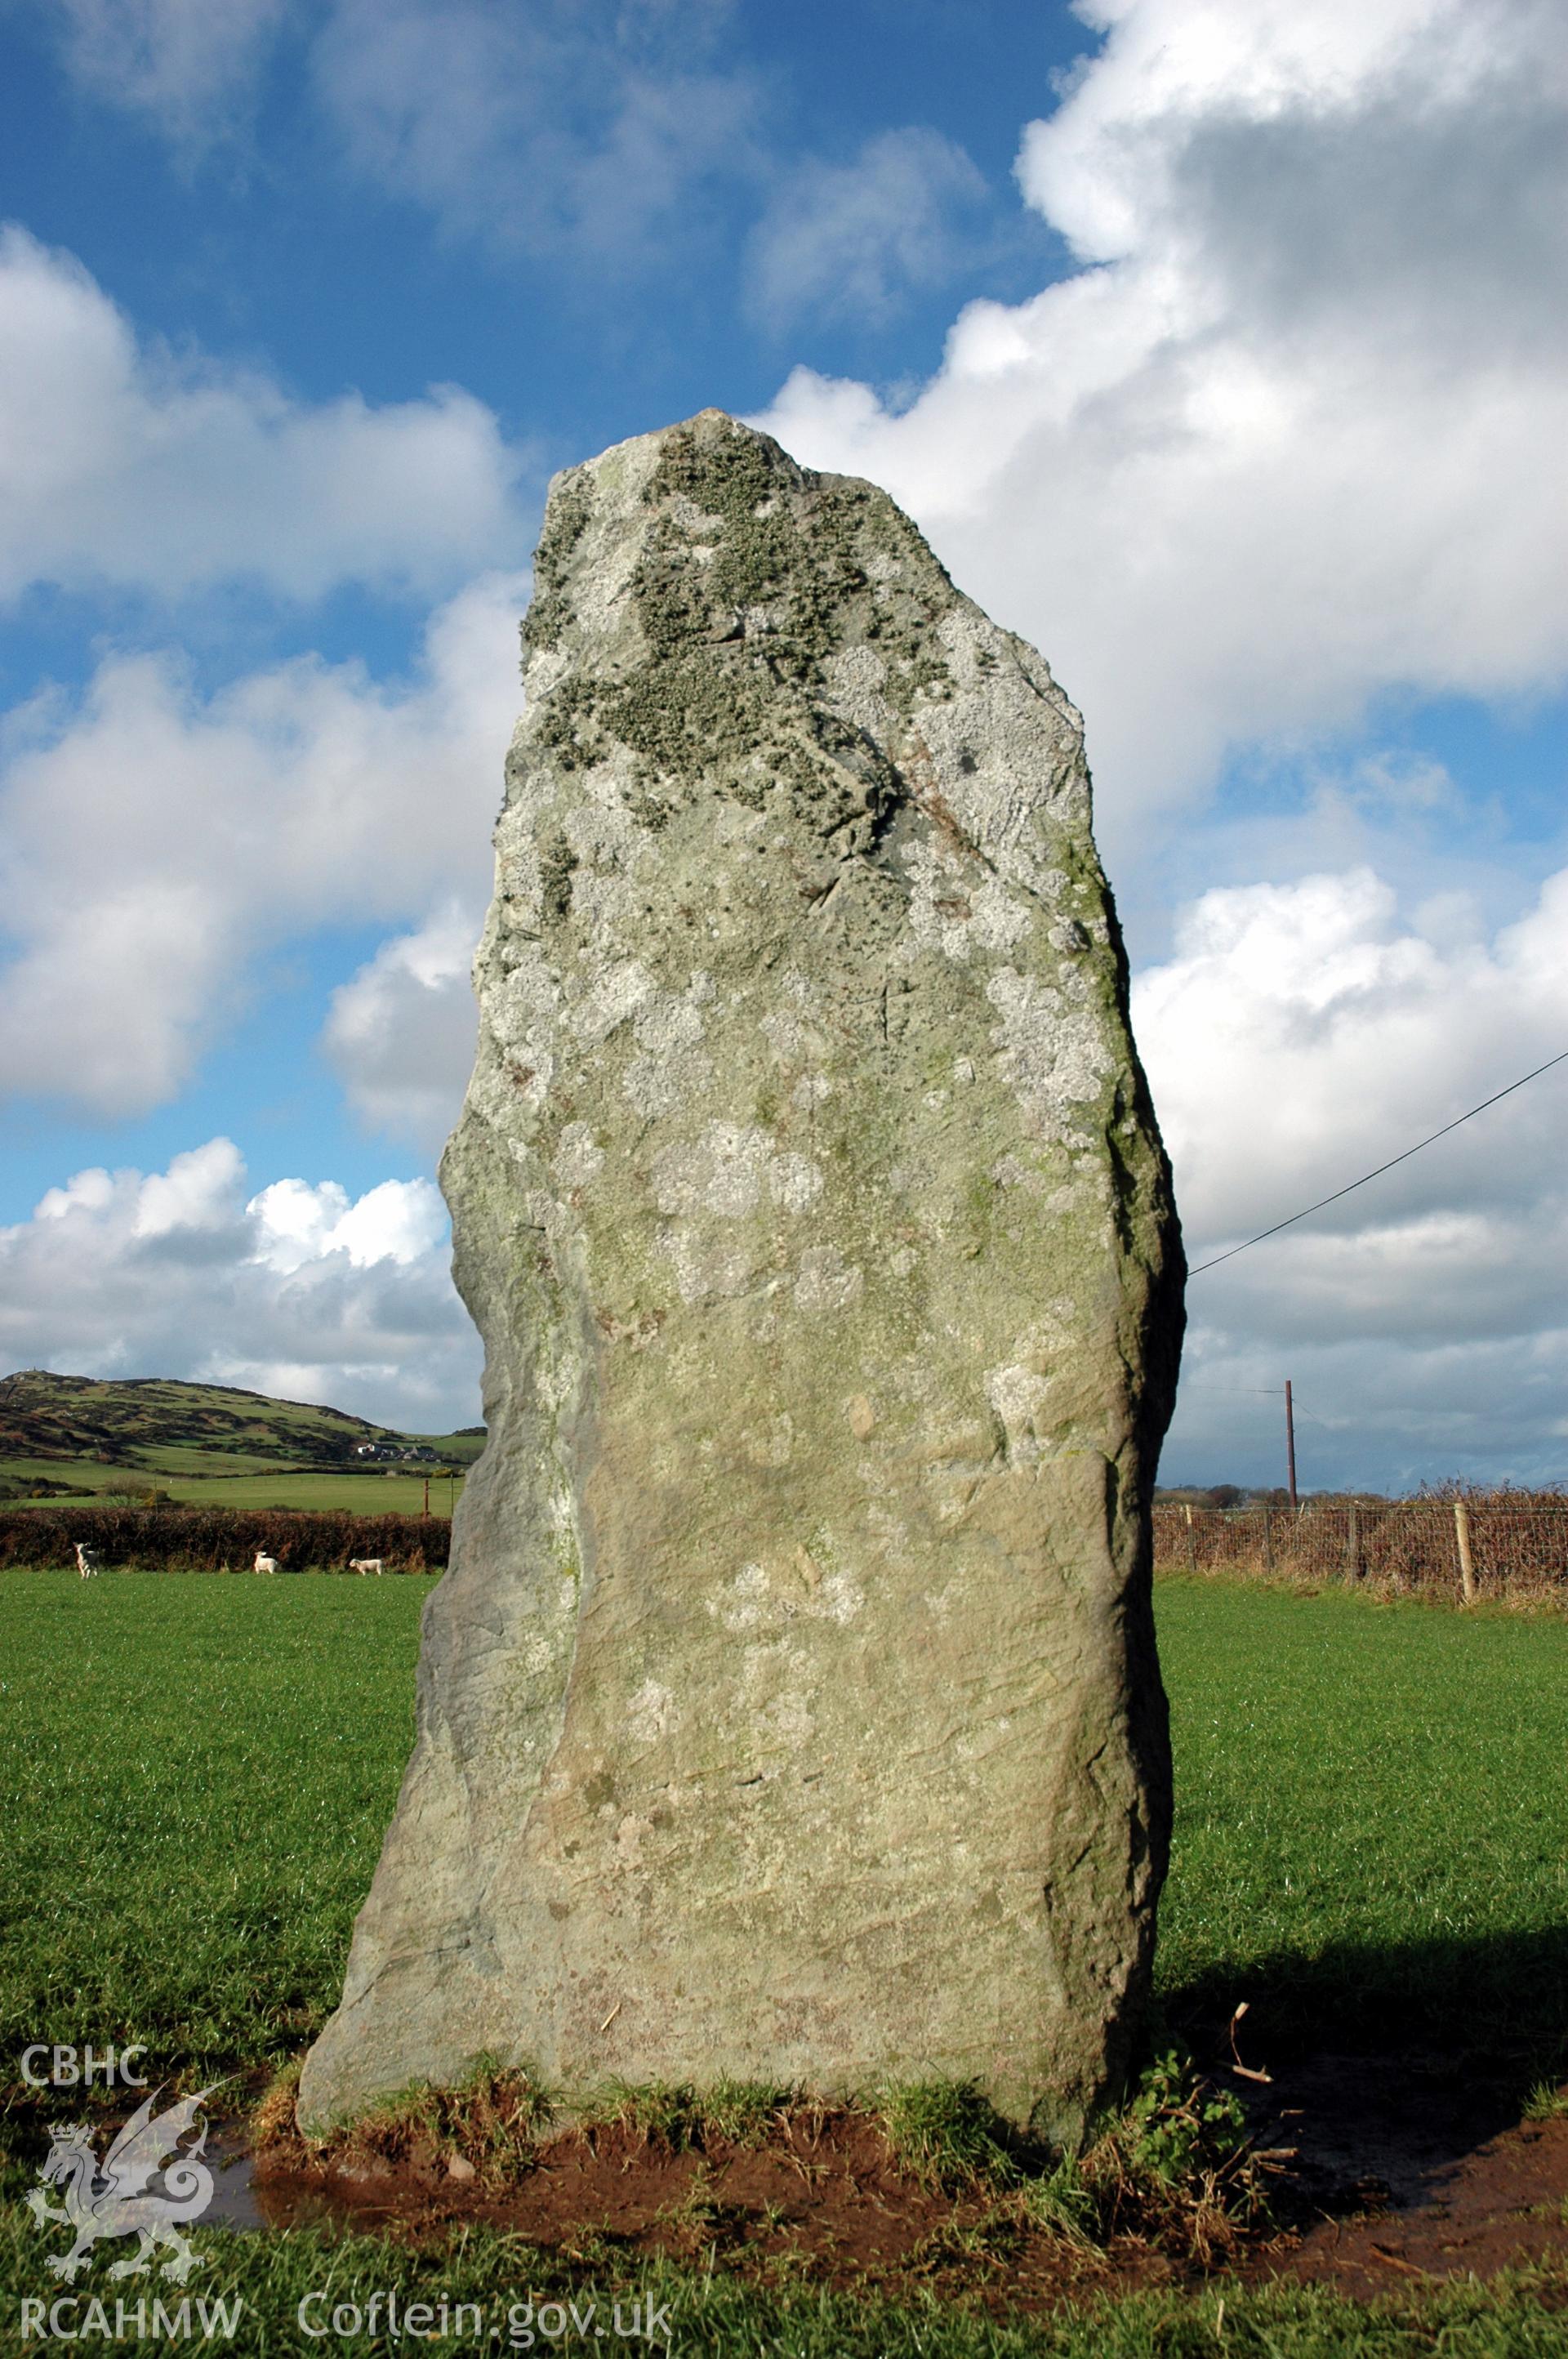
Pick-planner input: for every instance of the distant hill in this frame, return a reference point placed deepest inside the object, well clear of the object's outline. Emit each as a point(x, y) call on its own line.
point(135, 1421)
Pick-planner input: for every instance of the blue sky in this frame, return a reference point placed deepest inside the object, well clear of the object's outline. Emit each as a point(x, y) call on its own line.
point(1215, 343)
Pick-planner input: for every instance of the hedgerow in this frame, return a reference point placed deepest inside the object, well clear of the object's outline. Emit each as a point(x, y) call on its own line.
point(221, 1540)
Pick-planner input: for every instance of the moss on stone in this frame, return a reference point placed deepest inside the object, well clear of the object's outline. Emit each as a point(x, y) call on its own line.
point(556, 862)
point(686, 705)
point(566, 520)
point(768, 541)
point(567, 726)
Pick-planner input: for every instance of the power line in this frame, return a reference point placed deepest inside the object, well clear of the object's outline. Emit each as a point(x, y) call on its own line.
point(1560, 1056)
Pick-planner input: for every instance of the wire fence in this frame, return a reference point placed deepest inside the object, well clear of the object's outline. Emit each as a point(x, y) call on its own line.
point(1464, 1549)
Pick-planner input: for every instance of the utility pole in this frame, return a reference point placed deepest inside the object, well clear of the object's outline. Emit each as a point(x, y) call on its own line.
point(1291, 1444)
point(426, 1508)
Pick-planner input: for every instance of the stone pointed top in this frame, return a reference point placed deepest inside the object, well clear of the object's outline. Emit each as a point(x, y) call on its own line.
point(627, 466)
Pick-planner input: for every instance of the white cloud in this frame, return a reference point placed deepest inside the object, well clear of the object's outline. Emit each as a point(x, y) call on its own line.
point(400, 1220)
point(400, 1034)
point(194, 1193)
point(1359, 1033)
point(156, 839)
point(852, 241)
point(122, 465)
point(182, 62)
point(1299, 1036)
point(1289, 434)
point(297, 1291)
point(555, 125)
point(589, 126)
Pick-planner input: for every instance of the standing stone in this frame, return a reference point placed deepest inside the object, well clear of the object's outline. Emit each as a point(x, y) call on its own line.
point(791, 1708)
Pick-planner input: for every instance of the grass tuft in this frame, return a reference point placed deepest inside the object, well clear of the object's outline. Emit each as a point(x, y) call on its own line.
point(948, 2134)
point(680, 2118)
point(1065, 2204)
point(1546, 2102)
point(701, 2224)
point(1174, 2168)
point(664, 2114)
point(747, 2112)
point(273, 2121)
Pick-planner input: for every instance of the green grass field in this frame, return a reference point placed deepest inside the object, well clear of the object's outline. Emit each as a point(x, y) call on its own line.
point(251, 1484)
point(195, 1774)
point(1372, 1809)
point(193, 1789)
point(208, 1445)
point(519, 2301)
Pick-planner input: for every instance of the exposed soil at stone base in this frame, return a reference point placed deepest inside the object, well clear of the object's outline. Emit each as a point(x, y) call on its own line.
point(822, 2200)
point(1399, 2169)
point(1413, 2166)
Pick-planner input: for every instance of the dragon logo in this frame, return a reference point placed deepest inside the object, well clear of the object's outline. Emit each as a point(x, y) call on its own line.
point(120, 2201)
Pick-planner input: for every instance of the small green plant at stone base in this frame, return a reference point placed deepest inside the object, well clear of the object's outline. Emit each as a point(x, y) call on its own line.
point(1546, 2102)
point(948, 2134)
point(1177, 2160)
point(1177, 2125)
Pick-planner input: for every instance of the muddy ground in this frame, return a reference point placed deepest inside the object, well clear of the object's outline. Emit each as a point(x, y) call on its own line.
point(1389, 2167)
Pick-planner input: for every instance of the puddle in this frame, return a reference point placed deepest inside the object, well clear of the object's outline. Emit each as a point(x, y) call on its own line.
point(241, 2202)
point(234, 2201)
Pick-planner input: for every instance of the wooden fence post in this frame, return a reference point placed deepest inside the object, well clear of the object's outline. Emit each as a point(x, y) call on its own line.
point(1466, 1563)
point(1191, 1543)
point(1267, 1545)
point(1352, 1552)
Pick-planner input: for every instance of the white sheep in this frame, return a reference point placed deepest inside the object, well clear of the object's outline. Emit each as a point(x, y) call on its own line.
point(266, 1563)
point(365, 1564)
point(88, 1560)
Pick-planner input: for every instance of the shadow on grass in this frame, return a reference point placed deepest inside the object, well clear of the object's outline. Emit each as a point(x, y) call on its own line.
point(1503, 1997)
point(1384, 2064)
